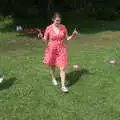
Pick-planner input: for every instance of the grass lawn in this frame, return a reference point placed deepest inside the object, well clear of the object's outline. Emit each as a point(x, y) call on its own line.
point(27, 92)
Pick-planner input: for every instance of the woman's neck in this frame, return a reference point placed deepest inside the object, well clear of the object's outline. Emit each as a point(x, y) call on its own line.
point(56, 25)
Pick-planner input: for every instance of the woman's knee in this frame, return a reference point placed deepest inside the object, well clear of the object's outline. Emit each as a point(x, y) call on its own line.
point(53, 67)
point(62, 69)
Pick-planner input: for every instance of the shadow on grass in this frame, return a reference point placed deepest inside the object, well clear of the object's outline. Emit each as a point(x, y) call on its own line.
point(7, 83)
point(74, 76)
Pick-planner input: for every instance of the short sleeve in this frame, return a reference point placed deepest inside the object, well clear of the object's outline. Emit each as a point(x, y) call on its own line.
point(46, 34)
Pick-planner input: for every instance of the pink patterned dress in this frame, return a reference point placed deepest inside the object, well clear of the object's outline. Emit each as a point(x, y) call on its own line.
point(56, 51)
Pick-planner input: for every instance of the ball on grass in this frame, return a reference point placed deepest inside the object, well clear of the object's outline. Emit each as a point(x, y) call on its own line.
point(76, 66)
point(112, 61)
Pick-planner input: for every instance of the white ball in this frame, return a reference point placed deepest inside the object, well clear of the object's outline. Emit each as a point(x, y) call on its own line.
point(76, 66)
point(112, 62)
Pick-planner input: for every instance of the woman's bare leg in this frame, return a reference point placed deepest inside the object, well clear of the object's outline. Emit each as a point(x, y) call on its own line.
point(53, 72)
point(62, 75)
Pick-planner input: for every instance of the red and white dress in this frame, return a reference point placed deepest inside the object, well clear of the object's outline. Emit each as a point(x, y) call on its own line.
point(56, 51)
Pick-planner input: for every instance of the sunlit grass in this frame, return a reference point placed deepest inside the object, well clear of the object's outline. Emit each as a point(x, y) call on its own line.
point(27, 92)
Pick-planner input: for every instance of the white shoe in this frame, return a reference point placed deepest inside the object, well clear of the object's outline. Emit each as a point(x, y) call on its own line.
point(1, 79)
point(64, 89)
point(54, 82)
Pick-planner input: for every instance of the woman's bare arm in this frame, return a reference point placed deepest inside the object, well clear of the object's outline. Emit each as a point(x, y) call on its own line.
point(71, 36)
point(42, 37)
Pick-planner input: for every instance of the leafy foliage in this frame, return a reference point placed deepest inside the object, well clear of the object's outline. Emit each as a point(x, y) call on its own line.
point(101, 9)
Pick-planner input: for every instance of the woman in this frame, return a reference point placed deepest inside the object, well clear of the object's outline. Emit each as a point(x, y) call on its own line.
point(56, 52)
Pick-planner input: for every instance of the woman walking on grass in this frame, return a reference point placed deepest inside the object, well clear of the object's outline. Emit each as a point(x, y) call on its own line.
point(56, 51)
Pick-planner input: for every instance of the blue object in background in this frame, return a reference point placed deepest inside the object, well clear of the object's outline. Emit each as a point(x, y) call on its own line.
point(1, 74)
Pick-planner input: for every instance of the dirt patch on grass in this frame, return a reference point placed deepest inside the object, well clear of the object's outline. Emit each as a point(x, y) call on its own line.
point(96, 45)
point(108, 35)
point(95, 41)
point(102, 44)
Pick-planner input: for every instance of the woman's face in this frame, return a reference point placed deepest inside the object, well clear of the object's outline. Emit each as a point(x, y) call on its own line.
point(57, 20)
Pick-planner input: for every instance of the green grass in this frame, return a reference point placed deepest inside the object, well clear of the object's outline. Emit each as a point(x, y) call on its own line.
point(27, 92)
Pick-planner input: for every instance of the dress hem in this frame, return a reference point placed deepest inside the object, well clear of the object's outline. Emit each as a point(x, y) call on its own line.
point(54, 65)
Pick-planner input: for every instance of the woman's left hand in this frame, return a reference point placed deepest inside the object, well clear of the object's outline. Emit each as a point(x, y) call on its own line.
point(74, 32)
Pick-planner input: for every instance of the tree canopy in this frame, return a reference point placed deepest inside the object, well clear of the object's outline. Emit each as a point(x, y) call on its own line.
point(104, 9)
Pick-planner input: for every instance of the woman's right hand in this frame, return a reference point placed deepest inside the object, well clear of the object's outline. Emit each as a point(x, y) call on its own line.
point(40, 35)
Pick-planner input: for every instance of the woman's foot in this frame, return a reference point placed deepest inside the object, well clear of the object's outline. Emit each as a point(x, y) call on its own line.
point(64, 89)
point(54, 82)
